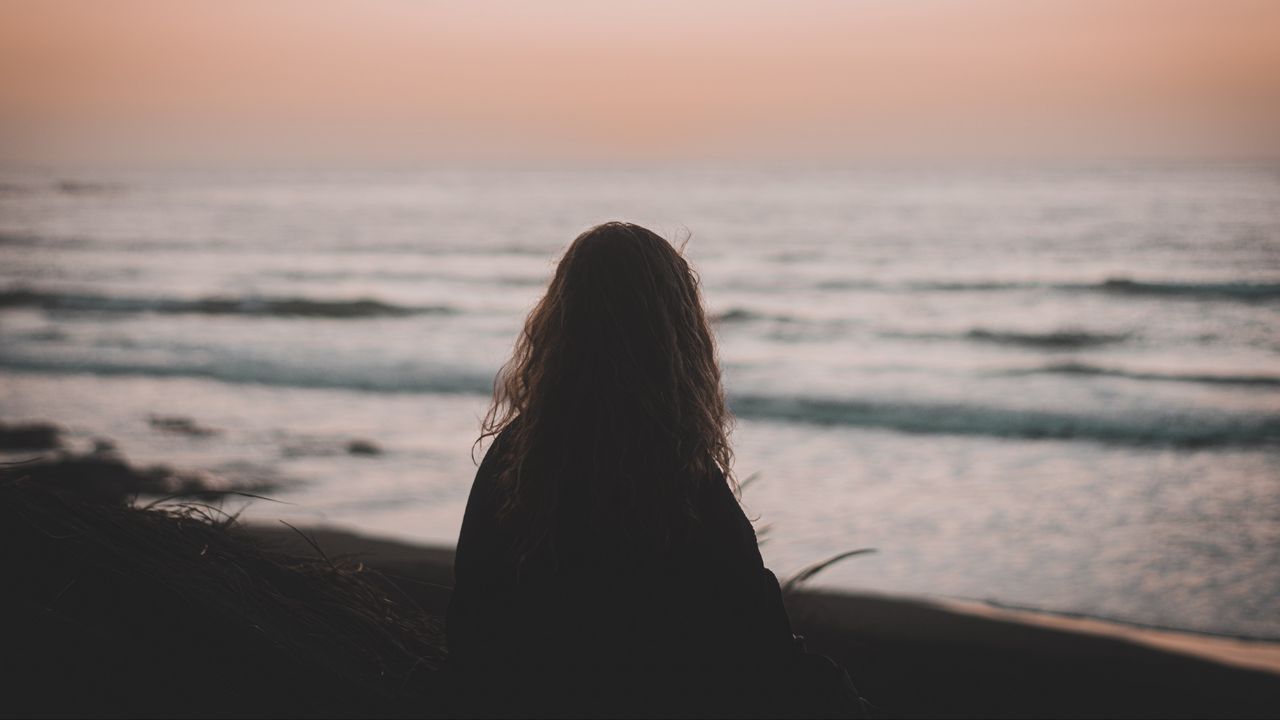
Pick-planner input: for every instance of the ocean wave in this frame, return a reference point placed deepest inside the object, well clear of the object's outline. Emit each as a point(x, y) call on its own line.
point(829, 327)
point(742, 315)
point(243, 371)
point(88, 187)
point(1064, 339)
point(13, 188)
point(733, 315)
point(230, 245)
point(66, 187)
point(968, 286)
point(1056, 339)
point(1240, 291)
point(960, 419)
point(1078, 368)
point(853, 284)
point(28, 240)
point(405, 276)
point(1178, 429)
point(1244, 291)
point(1210, 290)
point(217, 305)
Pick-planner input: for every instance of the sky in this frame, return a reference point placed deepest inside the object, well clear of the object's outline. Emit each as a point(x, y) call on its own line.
point(660, 80)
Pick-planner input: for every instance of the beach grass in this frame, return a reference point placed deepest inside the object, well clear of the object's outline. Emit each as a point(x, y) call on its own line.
point(117, 609)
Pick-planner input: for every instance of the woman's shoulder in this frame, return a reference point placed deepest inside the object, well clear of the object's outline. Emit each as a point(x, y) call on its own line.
point(478, 545)
point(717, 495)
point(497, 453)
point(485, 484)
point(721, 513)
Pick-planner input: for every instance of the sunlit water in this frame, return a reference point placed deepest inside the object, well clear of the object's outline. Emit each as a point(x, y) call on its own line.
point(1049, 388)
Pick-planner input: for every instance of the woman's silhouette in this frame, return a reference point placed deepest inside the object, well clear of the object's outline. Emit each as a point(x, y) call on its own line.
point(604, 565)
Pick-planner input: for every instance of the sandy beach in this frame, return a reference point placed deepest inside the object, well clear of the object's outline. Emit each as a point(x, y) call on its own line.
point(915, 657)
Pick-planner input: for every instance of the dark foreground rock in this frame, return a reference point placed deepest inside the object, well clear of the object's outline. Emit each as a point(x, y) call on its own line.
point(110, 610)
point(320, 446)
point(180, 425)
point(104, 476)
point(363, 447)
point(30, 436)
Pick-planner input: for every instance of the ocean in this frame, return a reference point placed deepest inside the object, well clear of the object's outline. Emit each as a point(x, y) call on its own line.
point(1055, 388)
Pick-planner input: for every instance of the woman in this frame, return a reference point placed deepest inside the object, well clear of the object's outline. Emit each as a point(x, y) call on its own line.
point(604, 565)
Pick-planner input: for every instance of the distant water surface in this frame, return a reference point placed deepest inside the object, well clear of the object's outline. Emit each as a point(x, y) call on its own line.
point(1054, 388)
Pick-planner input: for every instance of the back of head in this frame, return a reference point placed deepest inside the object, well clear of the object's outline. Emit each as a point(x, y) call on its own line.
point(612, 406)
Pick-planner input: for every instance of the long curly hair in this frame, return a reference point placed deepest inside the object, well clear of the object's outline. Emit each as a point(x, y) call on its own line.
point(611, 405)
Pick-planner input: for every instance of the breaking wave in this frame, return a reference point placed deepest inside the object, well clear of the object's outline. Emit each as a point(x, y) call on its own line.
point(216, 305)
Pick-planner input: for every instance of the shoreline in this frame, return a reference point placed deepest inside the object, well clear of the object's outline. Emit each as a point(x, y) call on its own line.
point(1242, 651)
point(918, 657)
point(1245, 652)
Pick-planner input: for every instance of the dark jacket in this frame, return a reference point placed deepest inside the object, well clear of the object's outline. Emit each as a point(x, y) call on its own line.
point(606, 629)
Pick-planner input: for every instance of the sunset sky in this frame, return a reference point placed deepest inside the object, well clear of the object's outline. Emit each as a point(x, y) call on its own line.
point(585, 80)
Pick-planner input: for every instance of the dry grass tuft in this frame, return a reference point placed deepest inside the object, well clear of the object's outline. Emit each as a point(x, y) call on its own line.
point(111, 609)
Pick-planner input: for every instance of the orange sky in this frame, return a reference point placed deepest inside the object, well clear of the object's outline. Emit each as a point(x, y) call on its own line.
point(601, 80)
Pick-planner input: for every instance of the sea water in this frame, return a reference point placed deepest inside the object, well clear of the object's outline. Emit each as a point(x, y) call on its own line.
point(1054, 387)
